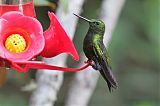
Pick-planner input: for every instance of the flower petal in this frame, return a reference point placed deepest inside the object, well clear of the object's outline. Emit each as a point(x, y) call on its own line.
point(3, 22)
point(12, 16)
point(57, 40)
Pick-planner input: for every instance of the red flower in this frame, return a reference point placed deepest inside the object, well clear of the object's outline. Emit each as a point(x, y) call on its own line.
point(22, 40)
point(15, 23)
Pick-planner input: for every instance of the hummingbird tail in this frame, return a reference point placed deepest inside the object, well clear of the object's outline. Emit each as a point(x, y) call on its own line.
point(109, 78)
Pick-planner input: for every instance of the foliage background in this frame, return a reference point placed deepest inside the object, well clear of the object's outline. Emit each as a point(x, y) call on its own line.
point(134, 50)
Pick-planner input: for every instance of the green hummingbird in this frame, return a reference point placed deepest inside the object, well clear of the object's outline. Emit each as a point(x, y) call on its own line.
point(96, 52)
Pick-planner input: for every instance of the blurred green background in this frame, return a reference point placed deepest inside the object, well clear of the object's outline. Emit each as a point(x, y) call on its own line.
point(134, 51)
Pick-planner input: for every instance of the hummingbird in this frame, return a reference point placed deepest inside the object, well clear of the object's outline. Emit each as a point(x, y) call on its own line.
point(96, 52)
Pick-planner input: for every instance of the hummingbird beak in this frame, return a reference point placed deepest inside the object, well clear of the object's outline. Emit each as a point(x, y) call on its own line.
point(82, 18)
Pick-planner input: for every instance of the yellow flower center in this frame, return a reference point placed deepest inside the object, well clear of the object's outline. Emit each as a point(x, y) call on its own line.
point(15, 43)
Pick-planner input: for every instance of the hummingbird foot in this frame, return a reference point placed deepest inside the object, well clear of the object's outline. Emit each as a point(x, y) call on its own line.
point(93, 64)
point(96, 66)
point(90, 62)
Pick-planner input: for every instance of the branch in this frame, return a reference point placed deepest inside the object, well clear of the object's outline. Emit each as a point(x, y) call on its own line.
point(111, 10)
point(3, 76)
point(85, 82)
point(49, 82)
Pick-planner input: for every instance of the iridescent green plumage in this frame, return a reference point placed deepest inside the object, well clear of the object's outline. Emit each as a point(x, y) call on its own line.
point(95, 50)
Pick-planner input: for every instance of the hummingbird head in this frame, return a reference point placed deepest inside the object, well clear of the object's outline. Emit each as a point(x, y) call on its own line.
point(95, 25)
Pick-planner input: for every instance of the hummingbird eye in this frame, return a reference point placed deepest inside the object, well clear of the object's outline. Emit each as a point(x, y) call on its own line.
point(97, 23)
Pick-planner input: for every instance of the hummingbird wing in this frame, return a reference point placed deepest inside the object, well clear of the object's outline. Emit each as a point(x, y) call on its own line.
point(104, 61)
